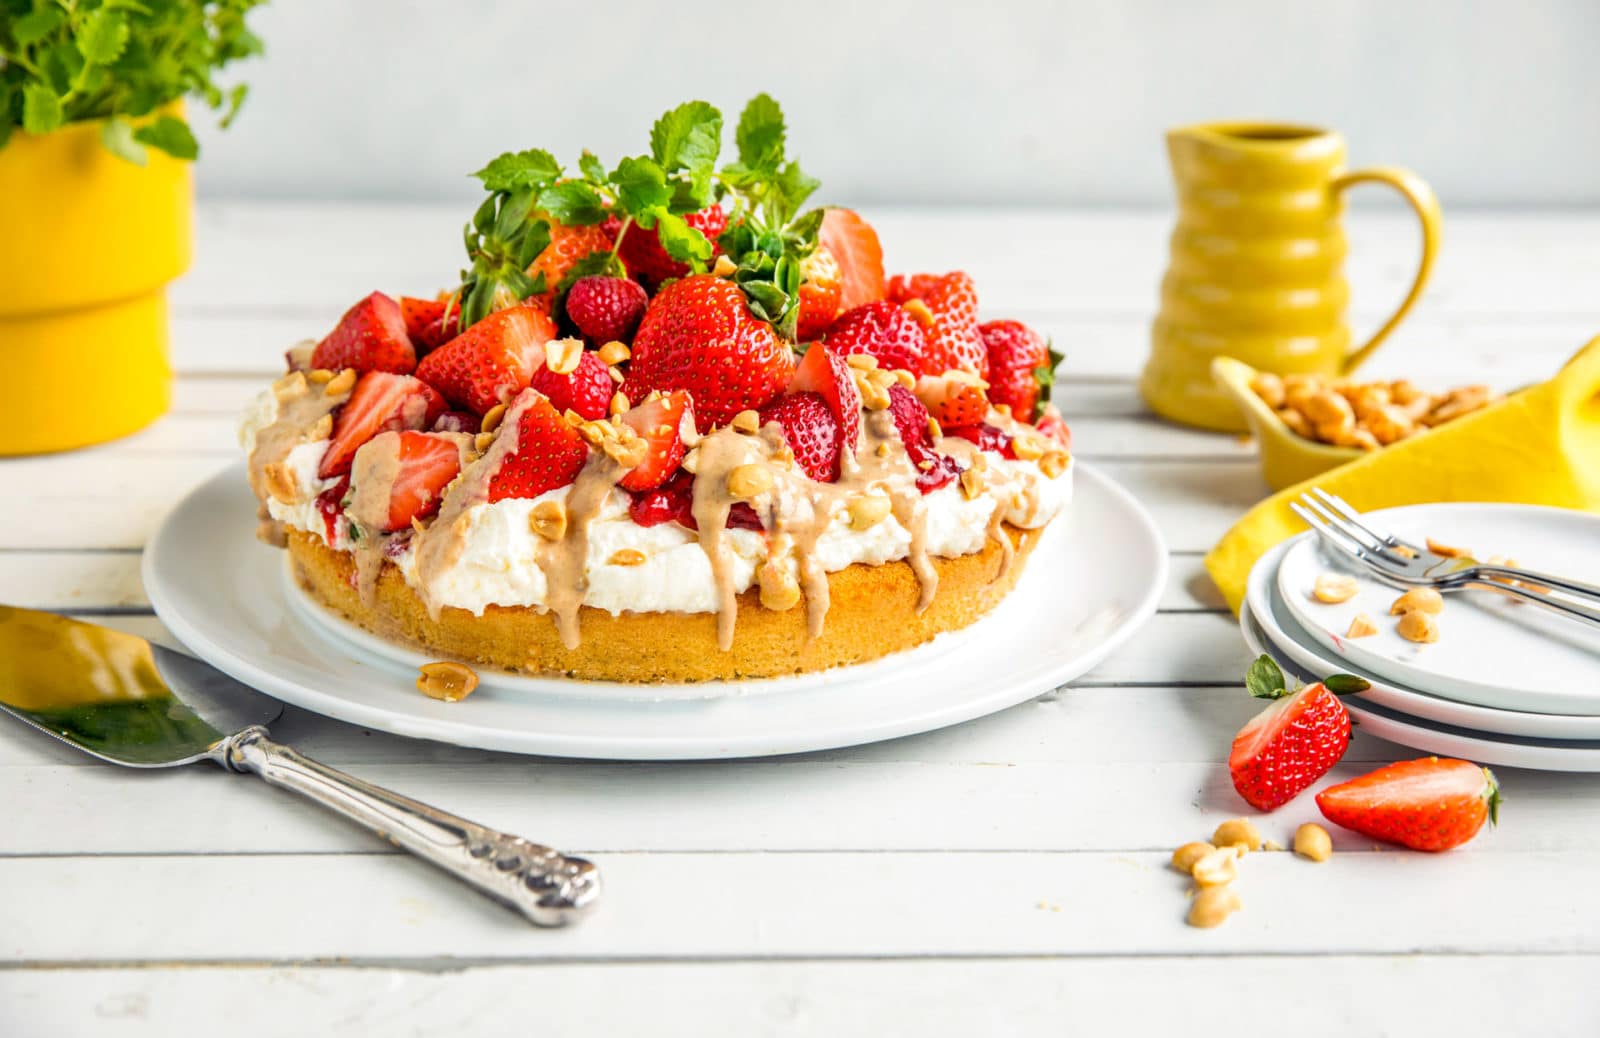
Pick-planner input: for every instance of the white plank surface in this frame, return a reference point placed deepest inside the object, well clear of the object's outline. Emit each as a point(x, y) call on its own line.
point(1003, 877)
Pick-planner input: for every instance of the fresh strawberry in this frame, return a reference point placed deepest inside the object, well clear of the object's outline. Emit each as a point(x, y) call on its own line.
point(380, 402)
point(429, 322)
point(427, 464)
point(549, 453)
point(1054, 426)
point(825, 372)
point(659, 422)
point(952, 325)
point(330, 505)
point(586, 389)
point(811, 430)
point(457, 421)
point(606, 309)
point(883, 330)
point(954, 398)
point(641, 251)
point(934, 470)
point(371, 336)
point(1020, 366)
point(985, 436)
point(854, 245)
point(1427, 805)
point(492, 360)
point(1293, 742)
point(819, 293)
point(567, 246)
point(699, 335)
point(673, 502)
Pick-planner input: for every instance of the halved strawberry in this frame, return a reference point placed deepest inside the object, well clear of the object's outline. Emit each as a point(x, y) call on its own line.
point(855, 246)
point(826, 373)
point(882, 330)
point(586, 389)
point(1427, 805)
point(371, 336)
point(1292, 743)
point(810, 429)
point(986, 437)
point(954, 398)
point(426, 323)
point(380, 402)
point(490, 361)
point(819, 294)
point(427, 464)
point(673, 502)
point(549, 453)
point(1054, 426)
point(659, 422)
point(950, 321)
point(934, 470)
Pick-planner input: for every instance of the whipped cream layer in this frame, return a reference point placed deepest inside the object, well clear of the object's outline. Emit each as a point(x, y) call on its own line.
point(497, 559)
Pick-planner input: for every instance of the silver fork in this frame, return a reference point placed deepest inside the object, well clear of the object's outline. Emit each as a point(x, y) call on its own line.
point(1403, 564)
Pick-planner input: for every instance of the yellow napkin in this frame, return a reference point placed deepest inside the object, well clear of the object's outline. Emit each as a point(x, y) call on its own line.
point(1538, 446)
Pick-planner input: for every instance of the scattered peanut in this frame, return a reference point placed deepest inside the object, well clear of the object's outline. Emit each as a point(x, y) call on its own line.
point(862, 361)
point(779, 591)
point(1361, 626)
point(724, 268)
point(867, 511)
point(748, 481)
point(619, 403)
point(746, 421)
point(1219, 867)
point(561, 356)
point(493, 417)
point(1238, 831)
point(1422, 599)
point(1054, 463)
point(1027, 448)
point(1333, 588)
point(907, 380)
point(481, 442)
point(1312, 841)
point(549, 520)
point(918, 309)
point(614, 352)
point(280, 482)
point(935, 430)
point(1271, 845)
point(972, 484)
point(1185, 857)
point(1212, 906)
point(341, 383)
point(319, 376)
point(446, 680)
point(1417, 626)
point(1448, 551)
point(627, 557)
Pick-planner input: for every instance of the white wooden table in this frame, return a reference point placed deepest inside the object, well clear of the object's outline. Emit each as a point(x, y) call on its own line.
point(1003, 877)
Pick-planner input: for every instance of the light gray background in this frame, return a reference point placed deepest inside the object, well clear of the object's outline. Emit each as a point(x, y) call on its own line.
point(1006, 102)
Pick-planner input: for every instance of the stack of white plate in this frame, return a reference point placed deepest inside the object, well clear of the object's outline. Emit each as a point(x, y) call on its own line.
point(1507, 683)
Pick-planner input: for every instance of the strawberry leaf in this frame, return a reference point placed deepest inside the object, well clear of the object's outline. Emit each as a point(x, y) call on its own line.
point(1045, 376)
point(573, 203)
point(1345, 684)
point(641, 185)
point(171, 135)
point(760, 134)
point(41, 109)
point(682, 242)
point(1264, 679)
point(534, 168)
point(687, 138)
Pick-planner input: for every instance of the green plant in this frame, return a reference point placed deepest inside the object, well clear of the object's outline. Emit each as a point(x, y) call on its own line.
point(67, 61)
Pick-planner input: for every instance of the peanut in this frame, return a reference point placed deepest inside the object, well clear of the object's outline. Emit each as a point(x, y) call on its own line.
point(1212, 907)
point(1423, 599)
point(1417, 626)
point(614, 352)
point(867, 511)
point(1185, 857)
point(1218, 868)
point(446, 680)
point(1334, 588)
point(1269, 388)
point(627, 557)
point(1447, 550)
point(748, 481)
point(1361, 626)
point(746, 421)
point(1312, 841)
point(1237, 831)
point(548, 519)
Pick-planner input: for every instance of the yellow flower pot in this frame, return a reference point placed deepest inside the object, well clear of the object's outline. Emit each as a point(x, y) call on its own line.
point(90, 243)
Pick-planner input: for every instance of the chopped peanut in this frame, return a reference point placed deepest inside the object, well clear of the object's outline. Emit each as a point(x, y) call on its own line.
point(1312, 841)
point(1237, 832)
point(1424, 599)
point(1366, 415)
point(1361, 626)
point(1448, 551)
point(1212, 906)
point(1417, 626)
point(1185, 857)
point(446, 680)
point(1334, 588)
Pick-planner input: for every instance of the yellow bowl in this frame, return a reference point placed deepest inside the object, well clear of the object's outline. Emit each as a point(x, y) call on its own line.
point(1286, 457)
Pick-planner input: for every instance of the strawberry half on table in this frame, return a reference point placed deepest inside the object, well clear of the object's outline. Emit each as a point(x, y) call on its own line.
point(1293, 742)
point(1427, 805)
point(371, 336)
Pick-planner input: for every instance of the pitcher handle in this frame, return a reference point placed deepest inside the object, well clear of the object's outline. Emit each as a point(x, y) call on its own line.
point(1426, 204)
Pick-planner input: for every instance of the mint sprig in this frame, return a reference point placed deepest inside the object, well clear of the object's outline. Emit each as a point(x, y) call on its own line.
point(1265, 680)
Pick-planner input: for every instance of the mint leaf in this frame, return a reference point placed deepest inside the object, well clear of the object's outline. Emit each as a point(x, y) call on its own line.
point(1345, 684)
point(573, 203)
point(592, 168)
point(102, 36)
point(532, 168)
point(689, 138)
point(793, 187)
point(41, 109)
point(760, 134)
point(171, 135)
point(236, 98)
point(36, 25)
point(116, 134)
point(641, 185)
point(1264, 679)
point(681, 241)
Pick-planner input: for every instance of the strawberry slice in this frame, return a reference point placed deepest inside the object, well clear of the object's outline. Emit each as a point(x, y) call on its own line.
point(855, 246)
point(934, 470)
point(380, 402)
point(1427, 805)
point(428, 462)
point(825, 373)
point(1292, 743)
point(954, 398)
point(810, 429)
point(371, 336)
point(659, 422)
point(549, 453)
point(426, 324)
point(491, 361)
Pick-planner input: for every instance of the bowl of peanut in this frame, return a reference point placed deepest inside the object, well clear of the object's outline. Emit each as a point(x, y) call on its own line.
point(1309, 423)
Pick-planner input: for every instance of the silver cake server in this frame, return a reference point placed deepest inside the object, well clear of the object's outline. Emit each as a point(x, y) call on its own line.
point(124, 700)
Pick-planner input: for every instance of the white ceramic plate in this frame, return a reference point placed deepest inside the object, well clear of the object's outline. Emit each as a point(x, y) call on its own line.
point(1492, 650)
point(1288, 638)
point(1436, 738)
point(1090, 583)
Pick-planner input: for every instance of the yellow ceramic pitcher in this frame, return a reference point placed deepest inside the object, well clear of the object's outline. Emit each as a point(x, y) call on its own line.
point(1257, 265)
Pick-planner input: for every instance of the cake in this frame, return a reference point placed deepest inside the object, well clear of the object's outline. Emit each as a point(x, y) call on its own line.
point(670, 426)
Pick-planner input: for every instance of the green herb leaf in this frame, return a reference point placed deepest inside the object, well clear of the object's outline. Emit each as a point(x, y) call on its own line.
point(574, 203)
point(594, 171)
point(533, 168)
point(760, 134)
point(641, 185)
point(171, 135)
point(102, 36)
point(116, 134)
point(1264, 679)
point(236, 96)
point(36, 25)
point(1345, 684)
point(688, 138)
point(41, 109)
point(682, 242)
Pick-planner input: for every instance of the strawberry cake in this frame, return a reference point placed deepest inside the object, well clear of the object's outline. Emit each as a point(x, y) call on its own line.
point(671, 426)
